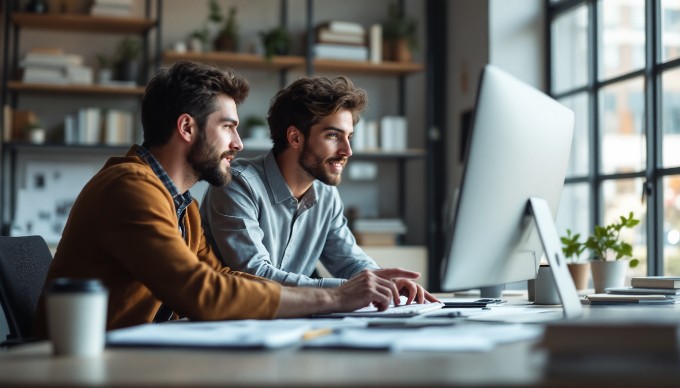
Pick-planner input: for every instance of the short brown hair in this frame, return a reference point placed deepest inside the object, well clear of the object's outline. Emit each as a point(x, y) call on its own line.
point(304, 102)
point(186, 87)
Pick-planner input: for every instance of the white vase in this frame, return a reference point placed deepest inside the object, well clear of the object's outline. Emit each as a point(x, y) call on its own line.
point(608, 274)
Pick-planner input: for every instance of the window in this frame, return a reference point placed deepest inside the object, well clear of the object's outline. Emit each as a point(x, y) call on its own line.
point(616, 64)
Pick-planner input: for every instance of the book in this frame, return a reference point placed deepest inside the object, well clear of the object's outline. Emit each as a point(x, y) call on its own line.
point(393, 133)
point(340, 51)
point(343, 26)
point(43, 75)
point(375, 43)
point(89, 126)
point(608, 299)
point(118, 127)
point(46, 59)
point(669, 292)
point(111, 8)
point(323, 35)
point(7, 115)
point(656, 281)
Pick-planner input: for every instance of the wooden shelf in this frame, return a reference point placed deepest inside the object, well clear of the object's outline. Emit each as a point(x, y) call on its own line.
point(66, 148)
point(18, 86)
point(83, 23)
point(237, 60)
point(383, 68)
point(254, 61)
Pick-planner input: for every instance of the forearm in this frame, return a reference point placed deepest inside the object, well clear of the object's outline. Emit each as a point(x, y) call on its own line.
point(299, 302)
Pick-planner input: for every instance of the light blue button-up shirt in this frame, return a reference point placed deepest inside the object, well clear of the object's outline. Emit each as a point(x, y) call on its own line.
point(256, 226)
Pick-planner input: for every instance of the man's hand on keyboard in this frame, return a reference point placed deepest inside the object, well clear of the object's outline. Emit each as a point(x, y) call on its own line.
point(406, 286)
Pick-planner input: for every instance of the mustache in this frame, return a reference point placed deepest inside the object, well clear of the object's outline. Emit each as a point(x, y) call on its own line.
point(230, 153)
point(338, 159)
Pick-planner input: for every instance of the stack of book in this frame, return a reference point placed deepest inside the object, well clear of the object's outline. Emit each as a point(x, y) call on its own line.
point(53, 66)
point(379, 231)
point(111, 8)
point(341, 40)
point(666, 286)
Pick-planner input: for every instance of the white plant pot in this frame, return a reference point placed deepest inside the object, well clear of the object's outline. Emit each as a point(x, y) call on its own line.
point(608, 274)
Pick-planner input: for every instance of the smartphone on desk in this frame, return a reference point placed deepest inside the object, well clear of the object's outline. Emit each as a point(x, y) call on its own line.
point(464, 302)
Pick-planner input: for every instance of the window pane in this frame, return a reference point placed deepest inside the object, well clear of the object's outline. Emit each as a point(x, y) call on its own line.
point(574, 211)
point(671, 225)
point(621, 197)
point(579, 160)
point(670, 117)
point(621, 34)
point(670, 29)
point(569, 50)
point(622, 111)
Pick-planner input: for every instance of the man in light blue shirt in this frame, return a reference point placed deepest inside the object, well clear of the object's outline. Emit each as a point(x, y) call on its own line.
point(282, 213)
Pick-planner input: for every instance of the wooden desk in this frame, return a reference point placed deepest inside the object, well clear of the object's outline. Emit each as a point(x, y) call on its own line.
point(32, 365)
point(514, 364)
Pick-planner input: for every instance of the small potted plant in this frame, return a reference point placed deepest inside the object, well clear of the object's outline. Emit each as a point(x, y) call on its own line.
point(610, 253)
point(198, 40)
point(256, 127)
point(275, 42)
point(126, 62)
point(104, 71)
point(399, 35)
point(227, 38)
point(572, 248)
point(35, 132)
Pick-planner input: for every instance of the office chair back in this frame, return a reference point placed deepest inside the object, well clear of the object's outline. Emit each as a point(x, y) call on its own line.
point(24, 262)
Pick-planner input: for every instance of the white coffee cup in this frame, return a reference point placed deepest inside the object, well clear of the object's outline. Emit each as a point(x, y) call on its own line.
point(76, 316)
point(545, 291)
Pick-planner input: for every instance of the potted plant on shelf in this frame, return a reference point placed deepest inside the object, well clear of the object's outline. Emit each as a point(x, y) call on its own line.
point(399, 35)
point(227, 38)
point(198, 40)
point(126, 62)
point(275, 42)
point(610, 253)
point(104, 71)
point(257, 133)
point(579, 269)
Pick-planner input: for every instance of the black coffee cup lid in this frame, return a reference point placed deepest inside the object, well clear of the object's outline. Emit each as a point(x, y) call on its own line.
point(75, 285)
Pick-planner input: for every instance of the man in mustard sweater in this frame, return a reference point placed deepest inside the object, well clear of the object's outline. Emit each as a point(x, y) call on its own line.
point(136, 227)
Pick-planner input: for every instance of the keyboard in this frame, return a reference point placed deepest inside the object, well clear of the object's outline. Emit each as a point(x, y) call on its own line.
point(401, 311)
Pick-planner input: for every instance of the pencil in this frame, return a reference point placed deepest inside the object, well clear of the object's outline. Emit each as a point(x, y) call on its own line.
point(316, 333)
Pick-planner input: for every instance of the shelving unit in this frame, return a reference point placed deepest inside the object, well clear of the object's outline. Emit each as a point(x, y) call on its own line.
point(11, 89)
point(310, 65)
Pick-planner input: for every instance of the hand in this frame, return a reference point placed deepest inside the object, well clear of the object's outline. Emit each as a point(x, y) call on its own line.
point(406, 286)
point(365, 288)
point(413, 291)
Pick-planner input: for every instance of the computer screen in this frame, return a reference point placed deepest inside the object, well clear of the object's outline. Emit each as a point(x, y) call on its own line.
point(518, 148)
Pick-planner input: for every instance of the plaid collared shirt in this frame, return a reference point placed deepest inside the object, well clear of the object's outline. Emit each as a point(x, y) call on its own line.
point(181, 200)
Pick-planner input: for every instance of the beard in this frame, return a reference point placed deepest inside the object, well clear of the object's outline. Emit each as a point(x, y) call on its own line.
point(206, 162)
point(315, 165)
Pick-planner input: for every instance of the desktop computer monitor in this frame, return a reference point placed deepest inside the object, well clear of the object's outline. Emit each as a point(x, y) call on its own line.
point(518, 149)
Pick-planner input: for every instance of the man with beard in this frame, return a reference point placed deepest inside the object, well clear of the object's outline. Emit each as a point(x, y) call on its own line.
point(282, 212)
point(136, 227)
